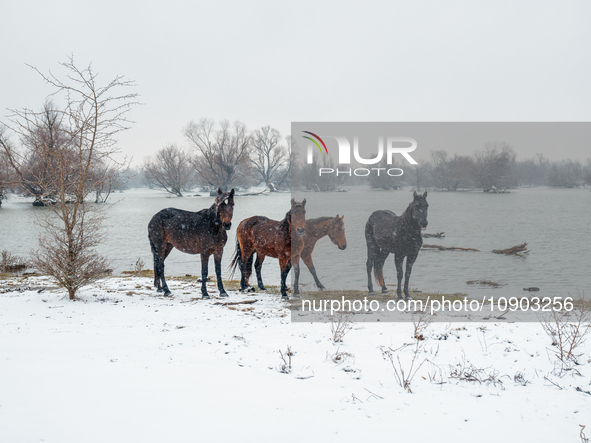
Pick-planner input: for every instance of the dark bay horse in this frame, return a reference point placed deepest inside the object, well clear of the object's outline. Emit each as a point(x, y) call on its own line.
point(202, 232)
point(386, 233)
point(277, 239)
point(316, 228)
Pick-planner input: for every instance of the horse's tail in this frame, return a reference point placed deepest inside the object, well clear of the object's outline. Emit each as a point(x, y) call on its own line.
point(236, 260)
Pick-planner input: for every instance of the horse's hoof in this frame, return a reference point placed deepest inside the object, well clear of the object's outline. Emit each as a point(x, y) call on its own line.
point(284, 297)
point(384, 291)
point(167, 293)
point(296, 295)
point(159, 290)
point(408, 298)
point(371, 294)
point(400, 298)
point(223, 294)
point(251, 289)
point(262, 289)
point(205, 297)
point(321, 288)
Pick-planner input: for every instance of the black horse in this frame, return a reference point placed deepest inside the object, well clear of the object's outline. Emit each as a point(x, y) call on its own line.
point(387, 233)
point(202, 232)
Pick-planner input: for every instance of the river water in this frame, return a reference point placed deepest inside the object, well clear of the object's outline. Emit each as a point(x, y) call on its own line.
point(554, 223)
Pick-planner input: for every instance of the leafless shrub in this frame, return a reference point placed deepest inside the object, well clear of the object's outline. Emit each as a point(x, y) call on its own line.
point(568, 331)
point(519, 379)
point(341, 357)
point(340, 325)
point(404, 372)
point(285, 366)
point(465, 371)
point(11, 263)
point(139, 267)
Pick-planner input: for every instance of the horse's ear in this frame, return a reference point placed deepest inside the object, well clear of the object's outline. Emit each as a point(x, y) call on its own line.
point(337, 216)
point(304, 203)
point(425, 194)
point(292, 202)
point(232, 193)
point(414, 195)
point(342, 217)
point(220, 191)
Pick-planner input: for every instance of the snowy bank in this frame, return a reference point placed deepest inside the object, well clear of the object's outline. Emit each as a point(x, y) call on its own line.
point(123, 364)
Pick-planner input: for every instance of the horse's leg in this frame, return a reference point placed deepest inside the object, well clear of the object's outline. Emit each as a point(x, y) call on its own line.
point(398, 259)
point(258, 265)
point(159, 253)
point(204, 272)
point(372, 251)
point(217, 259)
point(307, 259)
point(247, 250)
point(164, 287)
point(285, 266)
point(295, 260)
point(248, 271)
point(157, 284)
point(379, 269)
point(410, 260)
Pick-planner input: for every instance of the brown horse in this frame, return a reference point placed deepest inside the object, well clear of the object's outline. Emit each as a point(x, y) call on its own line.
point(386, 233)
point(202, 232)
point(277, 239)
point(316, 228)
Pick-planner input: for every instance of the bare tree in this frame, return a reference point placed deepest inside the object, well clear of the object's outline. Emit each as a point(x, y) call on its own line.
point(493, 167)
point(283, 177)
point(80, 137)
point(565, 174)
point(587, 173)
point(222, 153)
point(170, 169)
point(267, 154)
point(5, 172)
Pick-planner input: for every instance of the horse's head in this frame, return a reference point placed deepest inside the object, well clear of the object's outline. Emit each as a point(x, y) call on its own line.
point(336, 232)
point(297, 216)
point(224, 208)
point(419, 207)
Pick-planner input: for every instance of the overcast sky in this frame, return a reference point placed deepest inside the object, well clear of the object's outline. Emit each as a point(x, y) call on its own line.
point(273, 62)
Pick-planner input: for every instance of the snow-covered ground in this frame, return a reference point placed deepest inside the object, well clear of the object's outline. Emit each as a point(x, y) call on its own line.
point(123, 365)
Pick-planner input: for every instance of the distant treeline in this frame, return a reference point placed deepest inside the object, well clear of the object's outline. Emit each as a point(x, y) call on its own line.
point(494, 168)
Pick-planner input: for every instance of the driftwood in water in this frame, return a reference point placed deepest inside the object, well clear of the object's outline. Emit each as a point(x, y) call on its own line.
point(515, 250)
point(438, 235)
point(452, 248)
point(485, 282)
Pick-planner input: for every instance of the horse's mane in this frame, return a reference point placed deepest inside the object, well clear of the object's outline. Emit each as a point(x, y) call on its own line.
point(406, 217)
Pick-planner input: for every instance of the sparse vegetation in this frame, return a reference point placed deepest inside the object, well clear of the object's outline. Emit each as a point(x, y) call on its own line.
point(404, 372)
point(11, 263)
point(340, 325)
point(285, 366)
point(568, 331)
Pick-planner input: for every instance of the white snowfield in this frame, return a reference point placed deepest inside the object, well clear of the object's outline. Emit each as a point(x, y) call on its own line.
point(124, 365)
